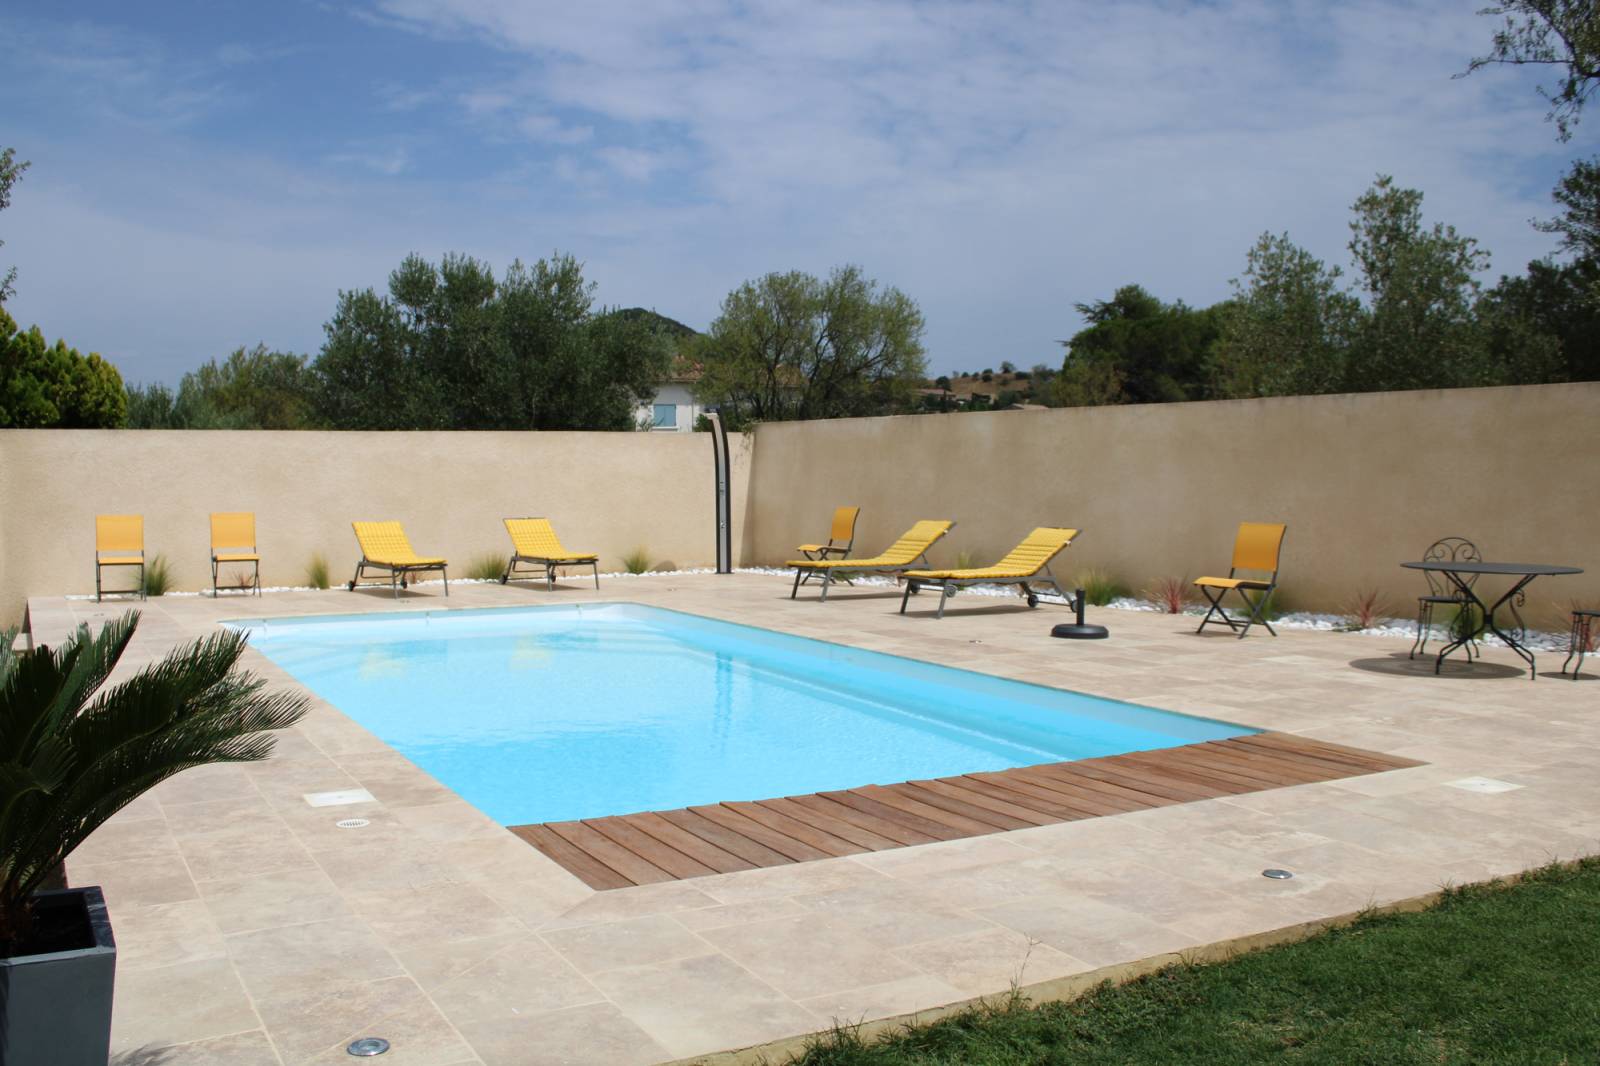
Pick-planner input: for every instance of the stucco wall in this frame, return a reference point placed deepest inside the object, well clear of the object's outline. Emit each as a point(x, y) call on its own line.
point(606, 492)
point(1363, 481)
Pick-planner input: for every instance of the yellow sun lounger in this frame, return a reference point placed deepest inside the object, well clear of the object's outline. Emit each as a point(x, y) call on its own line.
point(534, 541)
point(1256, 547)
point(118, 541)
point(229, 533)
point(1026, 566)
point(899, 556)
point(384, 547)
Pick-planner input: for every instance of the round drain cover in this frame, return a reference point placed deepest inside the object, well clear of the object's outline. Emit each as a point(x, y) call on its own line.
point(368, 1046)
point(1277, 875)
point(355, 823)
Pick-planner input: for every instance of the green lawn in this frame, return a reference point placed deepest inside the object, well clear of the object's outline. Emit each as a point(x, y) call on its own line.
point(1492, 974)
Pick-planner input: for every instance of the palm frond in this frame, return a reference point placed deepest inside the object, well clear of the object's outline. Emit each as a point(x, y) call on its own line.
point(74, 752)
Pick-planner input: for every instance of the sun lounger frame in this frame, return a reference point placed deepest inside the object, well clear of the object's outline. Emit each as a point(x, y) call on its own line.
point(1029, 585)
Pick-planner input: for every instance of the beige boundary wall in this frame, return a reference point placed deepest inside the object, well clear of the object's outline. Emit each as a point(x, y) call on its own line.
point(606, 492)
point(1363, 481)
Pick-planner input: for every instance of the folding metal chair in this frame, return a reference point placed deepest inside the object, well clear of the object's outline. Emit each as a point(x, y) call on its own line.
point(1256, 548)
point(841, 538)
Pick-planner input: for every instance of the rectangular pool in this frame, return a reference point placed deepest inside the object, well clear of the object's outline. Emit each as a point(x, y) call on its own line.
point(553, 713)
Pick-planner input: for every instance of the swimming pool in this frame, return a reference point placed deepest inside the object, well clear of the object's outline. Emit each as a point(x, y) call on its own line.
point(554, 713)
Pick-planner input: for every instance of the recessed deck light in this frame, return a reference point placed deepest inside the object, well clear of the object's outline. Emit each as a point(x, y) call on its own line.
point(1277, 875)
point(368, 1046)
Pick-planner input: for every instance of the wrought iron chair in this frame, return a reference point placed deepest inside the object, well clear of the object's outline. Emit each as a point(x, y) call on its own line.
point(1440, 590)
point(1583, 621)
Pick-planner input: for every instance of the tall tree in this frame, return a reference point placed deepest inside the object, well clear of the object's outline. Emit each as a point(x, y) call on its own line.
point(52, 386)
point(1291, 326)
point(1564, 34)
point(1137, 349)
point(452, 348)
point(1420, 331)
point(795, 346)
point(10, 172)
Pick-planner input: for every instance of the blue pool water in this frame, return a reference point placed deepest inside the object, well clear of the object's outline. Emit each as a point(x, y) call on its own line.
point(552, 713)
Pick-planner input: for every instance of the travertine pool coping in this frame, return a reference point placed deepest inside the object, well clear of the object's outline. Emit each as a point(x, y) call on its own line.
point(253, 930)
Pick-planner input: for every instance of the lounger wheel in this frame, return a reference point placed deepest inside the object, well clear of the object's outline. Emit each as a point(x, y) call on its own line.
point(351, 586)
point(402, 582)
point(1033, 601)
point(504, 579)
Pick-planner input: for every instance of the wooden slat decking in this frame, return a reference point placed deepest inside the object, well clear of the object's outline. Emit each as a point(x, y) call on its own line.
point(641, 849)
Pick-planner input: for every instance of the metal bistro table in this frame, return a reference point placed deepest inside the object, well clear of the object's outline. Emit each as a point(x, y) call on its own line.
point(1455, 571)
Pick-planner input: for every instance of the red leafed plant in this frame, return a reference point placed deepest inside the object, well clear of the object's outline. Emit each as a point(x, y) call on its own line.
point(1365, 608)
point(1171, 594)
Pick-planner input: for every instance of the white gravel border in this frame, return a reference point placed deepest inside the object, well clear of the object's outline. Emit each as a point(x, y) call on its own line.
point(1536, 640)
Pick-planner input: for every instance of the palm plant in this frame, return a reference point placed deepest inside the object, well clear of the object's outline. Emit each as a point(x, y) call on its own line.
point(73, 751)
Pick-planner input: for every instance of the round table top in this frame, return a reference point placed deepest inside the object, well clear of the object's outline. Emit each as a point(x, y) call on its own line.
point(1464, 567)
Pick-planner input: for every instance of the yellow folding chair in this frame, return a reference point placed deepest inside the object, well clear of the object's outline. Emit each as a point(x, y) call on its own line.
point(231, 531)
point(1026, 566)
point(841, 536)
point(118, 541)
point(534, 541)
point(384, 547)
point(1256, 549)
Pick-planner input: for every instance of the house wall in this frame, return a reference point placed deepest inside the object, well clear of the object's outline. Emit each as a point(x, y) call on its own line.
point(680, 396)
point(606, 492)
point(1363, 481)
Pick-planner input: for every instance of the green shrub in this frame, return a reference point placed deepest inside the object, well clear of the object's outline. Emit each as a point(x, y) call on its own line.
point(1100, 587)
point(317, 571)
point(637, 561)
point(157, 575)
point(965, 560)
point(1276, 608)
point(486, 567)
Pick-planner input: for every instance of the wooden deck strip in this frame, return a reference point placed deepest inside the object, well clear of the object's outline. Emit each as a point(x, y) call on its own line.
point(655, 846)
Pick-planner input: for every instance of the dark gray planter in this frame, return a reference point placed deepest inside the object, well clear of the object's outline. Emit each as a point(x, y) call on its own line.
point(55, 1008)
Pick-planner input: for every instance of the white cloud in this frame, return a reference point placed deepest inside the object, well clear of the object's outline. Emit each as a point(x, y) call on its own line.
point(553, 131)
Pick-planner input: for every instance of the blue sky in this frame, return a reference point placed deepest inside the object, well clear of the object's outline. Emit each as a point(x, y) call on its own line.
point(209, 175)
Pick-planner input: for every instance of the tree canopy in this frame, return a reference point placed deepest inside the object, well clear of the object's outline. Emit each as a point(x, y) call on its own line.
point(1138, 349)
point(793, 346)
point(52, 386)
point(1291, 327)
point(1414, 316)
point(253, 388)
point(1563, 34)
point(450, 347)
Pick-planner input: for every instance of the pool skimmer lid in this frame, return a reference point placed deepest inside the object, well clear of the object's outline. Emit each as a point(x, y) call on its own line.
point(367, 1047)
point(1277, 875)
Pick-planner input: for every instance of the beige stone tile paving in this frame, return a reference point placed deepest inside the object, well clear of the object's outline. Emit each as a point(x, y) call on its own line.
point(254, 931)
